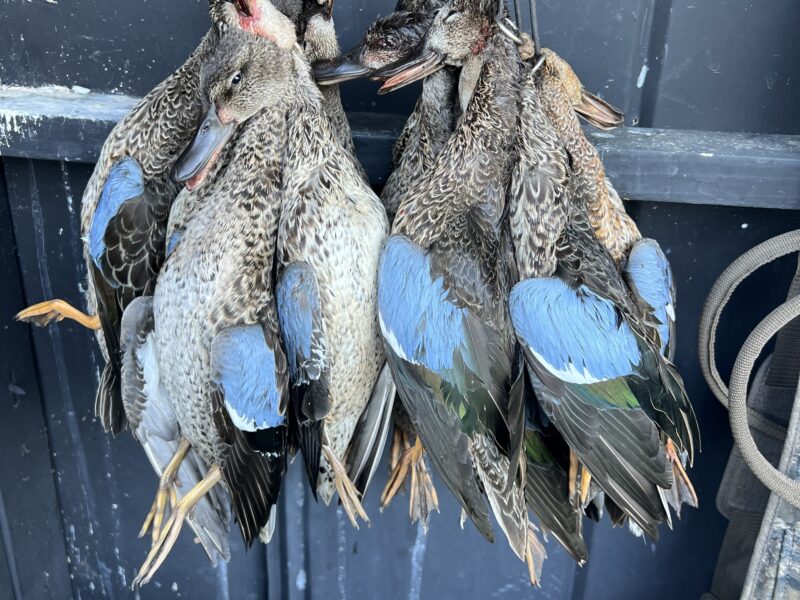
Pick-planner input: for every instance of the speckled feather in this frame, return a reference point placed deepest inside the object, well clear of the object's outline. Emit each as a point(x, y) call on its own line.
point(423, 137)
point(332, 221)
point(612, 226)
point(153, 134)
point(219, 276)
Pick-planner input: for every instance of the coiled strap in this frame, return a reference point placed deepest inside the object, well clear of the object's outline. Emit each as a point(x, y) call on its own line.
point(735, 399)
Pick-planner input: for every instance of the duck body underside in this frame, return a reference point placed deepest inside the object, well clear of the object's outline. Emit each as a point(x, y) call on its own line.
point(341, 245)
point(183, 347)
point(210, 282)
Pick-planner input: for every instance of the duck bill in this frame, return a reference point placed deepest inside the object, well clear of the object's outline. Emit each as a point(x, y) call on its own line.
point(419, 67)
point(344, 68)
point(199, 158)
point(598, 112)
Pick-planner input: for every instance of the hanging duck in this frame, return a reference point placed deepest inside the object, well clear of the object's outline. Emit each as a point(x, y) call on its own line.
point(212, 322)
point(388, 41)
point(644, 266)
point(331, 232)
point(443, 279)
point(595, 360)
point(124, 214)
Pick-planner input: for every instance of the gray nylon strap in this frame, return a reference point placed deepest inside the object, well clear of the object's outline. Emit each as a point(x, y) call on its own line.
point(735, 399)
point(777, 482)
point(784, 370)
point(719, 296)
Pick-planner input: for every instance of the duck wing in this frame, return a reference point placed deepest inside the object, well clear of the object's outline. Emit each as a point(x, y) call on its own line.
point(125, 183)
point(369, 437)
point(453, 372)
point(303, 332)
point(583, 358)
point(154, 424)
point(249, 378)
point(658, 385)
point(546, 479)
point(649, 277)
point(126, 238)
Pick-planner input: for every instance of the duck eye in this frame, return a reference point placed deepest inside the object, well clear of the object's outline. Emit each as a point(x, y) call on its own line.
point(453, 14)
point(237, 78)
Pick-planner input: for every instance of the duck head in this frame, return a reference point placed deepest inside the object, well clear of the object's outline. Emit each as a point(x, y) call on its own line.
point(388, 40)
point(460, 30)
point(244, 75)
point(595, 110)
point(316, 29)
point(258, 17)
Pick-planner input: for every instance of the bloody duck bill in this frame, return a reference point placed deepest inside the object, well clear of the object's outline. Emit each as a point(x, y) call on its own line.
point(419, 66)
point(344, 68)
point(199, 157)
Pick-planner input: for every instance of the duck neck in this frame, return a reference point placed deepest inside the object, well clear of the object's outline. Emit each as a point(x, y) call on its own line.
point(541, 191)
point(473, 167)
point(437, 107)
point(612, 226)
point(249, 171)
point(311, 139)
point(321, 44)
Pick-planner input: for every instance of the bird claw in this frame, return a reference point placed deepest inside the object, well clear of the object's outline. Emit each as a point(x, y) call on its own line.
point(166, 492)
point(348, 494)
point(172, 528)
point(44, 313)
point(422, 497)
point(164, 495)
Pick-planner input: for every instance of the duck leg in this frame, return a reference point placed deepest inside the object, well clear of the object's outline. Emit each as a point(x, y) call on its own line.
point(44, 313)
point(683, 488)
point(400, 444)
point(586, 479)
point(398, 468)
point(535, 555)
point(348, 494)
point(169, 534)
point(423, 498)
point(166, 491)
point(573, 474)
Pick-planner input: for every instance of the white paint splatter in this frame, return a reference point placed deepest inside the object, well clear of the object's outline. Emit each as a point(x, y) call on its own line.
point(300, 580)
point(745, 225)
point(642, 76)
point(417, 561)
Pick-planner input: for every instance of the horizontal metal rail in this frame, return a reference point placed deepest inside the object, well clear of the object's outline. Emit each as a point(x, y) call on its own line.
point(693, 167)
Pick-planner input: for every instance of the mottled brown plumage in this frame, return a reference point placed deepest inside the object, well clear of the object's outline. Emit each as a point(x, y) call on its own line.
point(613, 227)
point(617, 426)
point(455, 214)
point(424, 135)
point(320, 43)
point(334, 225)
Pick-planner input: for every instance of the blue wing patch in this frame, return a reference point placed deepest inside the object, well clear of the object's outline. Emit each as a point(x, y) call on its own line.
point(174, 240)
point(299, 315)
point(417, 319)
point(244, 367)
point(575, 334)
point(125, 181)
point(650, 277)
